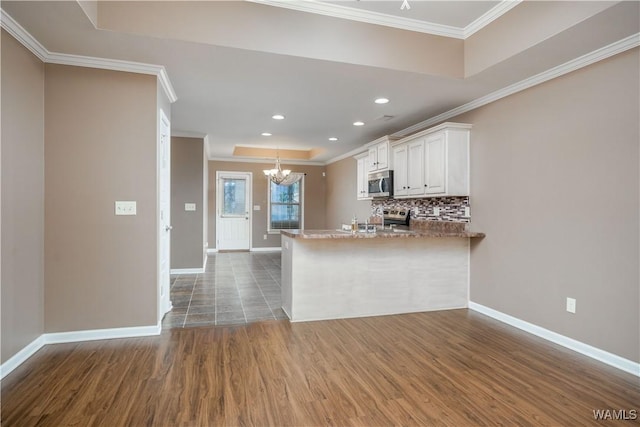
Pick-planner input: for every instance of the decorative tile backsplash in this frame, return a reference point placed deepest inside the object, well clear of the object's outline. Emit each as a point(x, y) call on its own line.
point(451, 208)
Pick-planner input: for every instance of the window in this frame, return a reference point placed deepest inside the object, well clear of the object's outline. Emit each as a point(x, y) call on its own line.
point(285, 206)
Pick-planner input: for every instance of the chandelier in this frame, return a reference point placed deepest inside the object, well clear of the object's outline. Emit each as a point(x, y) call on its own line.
point(277, 175)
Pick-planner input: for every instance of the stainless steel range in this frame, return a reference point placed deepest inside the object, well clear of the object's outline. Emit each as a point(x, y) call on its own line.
point(397, 217)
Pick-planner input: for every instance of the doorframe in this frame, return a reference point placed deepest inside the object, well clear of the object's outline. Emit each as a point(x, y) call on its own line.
point(159, 221)
point(220, 194)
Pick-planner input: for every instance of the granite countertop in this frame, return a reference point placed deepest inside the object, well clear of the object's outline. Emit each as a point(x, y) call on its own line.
point(419, 229)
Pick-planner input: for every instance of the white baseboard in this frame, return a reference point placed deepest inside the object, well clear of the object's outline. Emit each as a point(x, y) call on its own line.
point(187, 270)
point(75, 336)
point(275, 249)
point(17, 359)
point(211, 251)
point(580, 347)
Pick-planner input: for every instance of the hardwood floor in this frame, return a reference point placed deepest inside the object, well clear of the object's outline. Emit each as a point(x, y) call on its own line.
point(454, 368)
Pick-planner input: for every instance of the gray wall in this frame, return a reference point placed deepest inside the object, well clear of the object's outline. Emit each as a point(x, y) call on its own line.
point(187, 186)
point(101, 135)
point(555, 186)
point(314, 198)
point(22, 197)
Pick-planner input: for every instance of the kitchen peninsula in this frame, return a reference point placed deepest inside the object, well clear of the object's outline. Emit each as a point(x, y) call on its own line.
point(332, 274)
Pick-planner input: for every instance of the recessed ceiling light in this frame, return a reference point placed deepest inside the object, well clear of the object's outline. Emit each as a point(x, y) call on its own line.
point(381, 101)
point(358, 123)
point(333, 139)
point(266, 134)
point(277, 117)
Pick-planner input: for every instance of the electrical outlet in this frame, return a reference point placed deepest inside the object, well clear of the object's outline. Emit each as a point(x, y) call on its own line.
point(265, 237)
point(467, 211)
point(571, 305)
point(436, 211)
point(190, 207)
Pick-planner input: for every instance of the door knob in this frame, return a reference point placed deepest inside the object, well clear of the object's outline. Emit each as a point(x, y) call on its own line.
point(168, 228)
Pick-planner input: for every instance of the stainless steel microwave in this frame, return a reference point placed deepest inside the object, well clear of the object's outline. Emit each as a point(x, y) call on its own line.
point(381, 184)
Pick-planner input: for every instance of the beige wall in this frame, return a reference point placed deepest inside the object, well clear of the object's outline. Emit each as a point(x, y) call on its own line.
point(187, 186)
point(489, 46)
point(226, 23)
point(555, 186)
point(314, 198)
point(22, 191)
point(100, 134)
point(342, 203)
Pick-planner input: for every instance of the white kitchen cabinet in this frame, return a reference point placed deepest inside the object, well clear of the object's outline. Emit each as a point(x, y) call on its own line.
point(415, 168)
point(400, 170)
point(434, 162)
point(434, 182)
point(362, 187)
point(379, 154)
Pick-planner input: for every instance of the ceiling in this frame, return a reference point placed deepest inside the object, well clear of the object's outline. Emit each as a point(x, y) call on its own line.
point(235, 64)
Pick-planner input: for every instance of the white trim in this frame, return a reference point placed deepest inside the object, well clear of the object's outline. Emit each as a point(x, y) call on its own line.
point(204, 264)
point(20, 34)
point(103, 334)
point(211, 251)
point(273, 249)
point(175, 271)
point(27, 40)
point(187, 134)
point(75, 336)
point(352, 153)
point(490, 16)
point(560, 70)
point(20, 357)
point(580, 347)
point(377, 18)
point(265, 160)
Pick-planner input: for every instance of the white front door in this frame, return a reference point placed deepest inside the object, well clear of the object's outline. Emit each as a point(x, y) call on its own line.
point(164, 216)
point(233, 210)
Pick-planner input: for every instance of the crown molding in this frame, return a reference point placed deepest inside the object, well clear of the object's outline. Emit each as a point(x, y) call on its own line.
point(269, 160)
point(370, 17)
point(30, 42)
point(356, 151)
point(560, 70)
point(491, 15)
point(19, 33)
point(188, 134)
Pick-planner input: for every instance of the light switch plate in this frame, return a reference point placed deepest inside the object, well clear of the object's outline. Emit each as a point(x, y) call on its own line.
point(256, 207)
point(189, 206)
point(571, 305)
point(126, 208)
point(436, 211)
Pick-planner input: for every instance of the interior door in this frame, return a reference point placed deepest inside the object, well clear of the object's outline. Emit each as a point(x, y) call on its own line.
point(164, 214)
point(233, 230)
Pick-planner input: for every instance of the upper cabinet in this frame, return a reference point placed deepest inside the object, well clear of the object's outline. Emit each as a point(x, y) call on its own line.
point(362, 187)
point(379, 154)
point(434, 162)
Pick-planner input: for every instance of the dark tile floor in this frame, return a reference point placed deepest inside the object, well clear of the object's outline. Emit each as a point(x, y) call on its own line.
point(236, 288)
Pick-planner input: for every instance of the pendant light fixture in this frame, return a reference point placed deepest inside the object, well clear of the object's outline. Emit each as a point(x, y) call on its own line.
point(277, 175)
